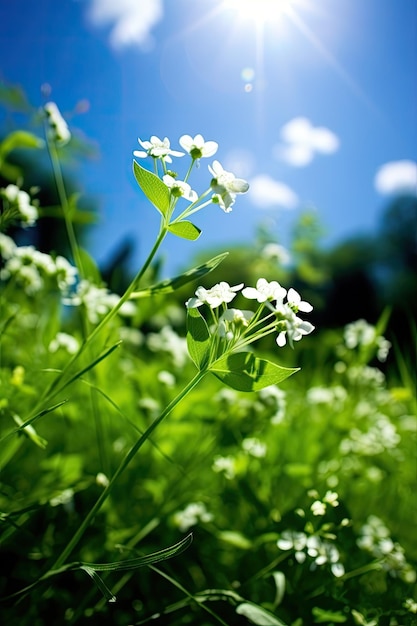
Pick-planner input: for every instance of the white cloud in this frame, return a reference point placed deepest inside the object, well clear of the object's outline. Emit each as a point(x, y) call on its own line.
point(131, 21)
point(267, 193)
point(302, 141)
point(396, 177)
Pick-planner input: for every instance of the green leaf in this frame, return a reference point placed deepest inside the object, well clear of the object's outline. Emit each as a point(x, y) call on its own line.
point(22, 425)
point(198, 337)
point(31, 433)
point(14, 98)
point(279, 579)
point(322, 616)
point(235, 539)
point(185, 229)
point(171, 284)
point(162, 555)
point(20, 139)
point(100, 583)
point(149, 559)
point(258, 615)
point(89, 269)
point(246, 372)
point(154, 189)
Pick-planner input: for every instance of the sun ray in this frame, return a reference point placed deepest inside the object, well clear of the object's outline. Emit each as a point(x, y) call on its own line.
point(331, 60)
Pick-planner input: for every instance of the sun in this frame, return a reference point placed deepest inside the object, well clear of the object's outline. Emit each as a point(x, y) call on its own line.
point(258, 11)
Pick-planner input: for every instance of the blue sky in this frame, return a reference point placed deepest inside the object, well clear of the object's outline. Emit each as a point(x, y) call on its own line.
point(314, 103)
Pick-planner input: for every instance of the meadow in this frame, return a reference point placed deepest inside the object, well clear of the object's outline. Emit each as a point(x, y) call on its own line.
point(192, 450)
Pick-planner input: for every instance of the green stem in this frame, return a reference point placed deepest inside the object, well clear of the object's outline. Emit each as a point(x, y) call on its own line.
point(123, 465)
point(110, 315)
point(133, 285)
point(62, 194)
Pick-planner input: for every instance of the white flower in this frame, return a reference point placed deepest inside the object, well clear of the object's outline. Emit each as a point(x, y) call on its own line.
point(292, 540)
point(222, 293)
point(295, 327)
point(197, 148)
point(191, 515)
point(332, 498)
point(289, 325)
point(158, 149)
point(66, 341)
point(359, 333)
point(20, 201)
point(179, 188)
point(7, 246)
point(97, 301)
point(102, 480)
point(275, 252)
point(66, 498)
point(225, 465)
point(58, 129)
point(167, 340)
point(235, 318)
point(265, 291)
point(166, 378)
point(66, 274)
point(383, 347)
point(254, 447)
point(225, 186)
point(318, 508)
point(410, 605)
point(295, 302)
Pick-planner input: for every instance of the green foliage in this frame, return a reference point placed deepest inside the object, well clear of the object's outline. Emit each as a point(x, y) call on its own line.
point(245, 372)
point(153, 188)
point(198, 338)
point(185, 229)
point(299, 491)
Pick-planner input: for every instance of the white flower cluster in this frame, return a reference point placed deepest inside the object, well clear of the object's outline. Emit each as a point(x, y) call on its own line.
point(57, 127)
point(31, 268)
point(361, 333)
point(254, 447)
point(97, 301)
point(18, 206)
point(320, 551)
point(276, 252)
point(375, 538)
point(235, 323)
point(319, 507)
point(167, 340)
point(193, 513)
point(224, 185)
point(275, 400)
point(334, 396)
point(66, 341)
point(381, 435)
point(225, 465)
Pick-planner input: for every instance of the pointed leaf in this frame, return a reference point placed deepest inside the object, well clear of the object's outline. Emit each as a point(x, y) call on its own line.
point(100, 583)
point(258, 615)
point(149, 559)
point(198, 337)
point(171, 284)
point(89, 269)
point(279, 579)
point(185, 229)
point(20, 139)
point(322, 616)
point(154, 189)
point(31, 433)
point(246, 372)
